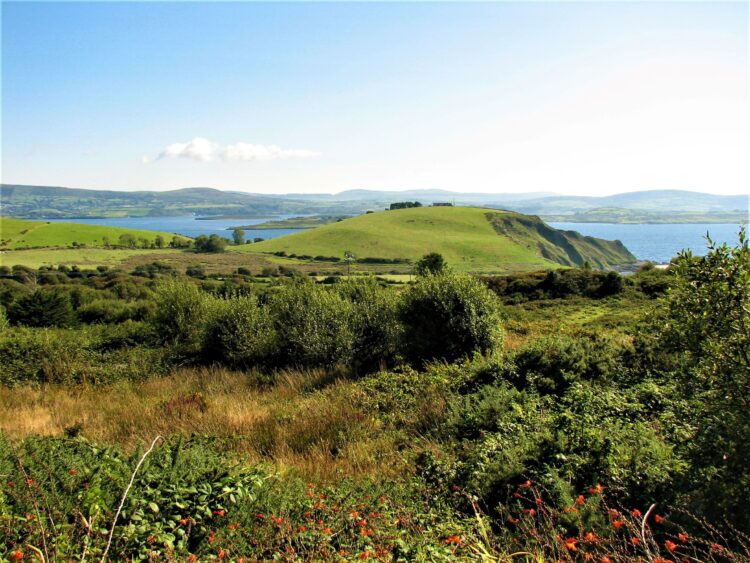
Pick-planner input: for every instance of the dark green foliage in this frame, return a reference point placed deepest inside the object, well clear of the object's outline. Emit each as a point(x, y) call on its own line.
point(241, 334)
point(213, 243)
point(551, 364)
point(432, 263)
point(312, 324)
point(404, 205)
point(556, 284)
point(182, 313)
point(43, 308)
point(448, 317)
point(373, 323)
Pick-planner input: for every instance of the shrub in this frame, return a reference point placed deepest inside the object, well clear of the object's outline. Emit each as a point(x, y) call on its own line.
point(312, 324)
point(448, 317)
point(43, 308)
point(373, 322)
point(240, 334)
point(181, 315)
point(551, 364)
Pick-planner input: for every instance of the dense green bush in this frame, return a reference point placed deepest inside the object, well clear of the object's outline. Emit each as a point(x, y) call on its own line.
point(448, 317)
point(312, 325)
point(43, 307)
point(240, 334)
point(373, 323)
point(552, 363)
point(182, 314)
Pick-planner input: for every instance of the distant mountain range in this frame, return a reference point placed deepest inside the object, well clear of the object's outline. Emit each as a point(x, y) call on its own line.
point(654, 206)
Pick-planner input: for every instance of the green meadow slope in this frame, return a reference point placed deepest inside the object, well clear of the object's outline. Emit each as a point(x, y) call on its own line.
point(21, 233)
point(471, 239)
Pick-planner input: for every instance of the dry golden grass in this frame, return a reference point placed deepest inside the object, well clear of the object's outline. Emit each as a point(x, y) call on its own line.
point(317, 433)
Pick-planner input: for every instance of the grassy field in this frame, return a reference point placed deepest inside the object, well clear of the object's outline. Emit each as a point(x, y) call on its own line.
point(464, 236)
point(16, 234)
point(84, 257)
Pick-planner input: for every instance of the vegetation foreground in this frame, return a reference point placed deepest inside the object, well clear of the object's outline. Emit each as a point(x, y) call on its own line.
point(563, 415)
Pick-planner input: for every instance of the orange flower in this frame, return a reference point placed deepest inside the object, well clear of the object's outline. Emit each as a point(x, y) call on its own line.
point(259, 516)
point(568, 509)
point(453, 540)
point(570, 544)
point(16, 555)
point(327, 530)
point(222, 554)
point(234, 525)
point(683, 537)
point(637, 513)
point(670, 545)
point(539, 501)
point(526, 485)
point(30, 482)
point(614, 513)
point(599, 489)
point(211, 538)
point(529, 511)
point(72, 471)
point(617, 524)
point(302, 528)
point(192, 558)
point(220, 513)
point(512, 520)
point(580, 500)
point(635, 541)
point(367, 532)
point(590, 536)
point(184, 521)
point(658, 518)
point(606, 559)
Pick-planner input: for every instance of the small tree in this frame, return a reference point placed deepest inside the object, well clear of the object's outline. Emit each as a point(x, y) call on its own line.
point(43, 308)
point(214, 243)
point(238, 235)
point(127, 240)
point(448, 317)
point(432, 263)
point(159, 241)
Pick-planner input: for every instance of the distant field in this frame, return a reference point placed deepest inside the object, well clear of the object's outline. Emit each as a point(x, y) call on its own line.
point(22, 233)
point(84, 257)
point(464, 236)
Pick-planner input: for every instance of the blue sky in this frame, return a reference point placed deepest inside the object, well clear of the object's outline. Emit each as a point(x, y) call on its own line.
point(584, 98)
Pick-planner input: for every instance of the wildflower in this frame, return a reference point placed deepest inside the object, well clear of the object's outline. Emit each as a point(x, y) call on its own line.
point(512, 520)
point(220, 513)
point(16, 555)
point(456, 488)
point(670, 545)
point(605, 559)
point(658, 518)
point(259, 516)
point(234, 525)
point(302, 528)
point(569, 509)
point(580, 500)
point(599, 489)
point(717, 547)
point(617, 524)
point(211, 538)
point(222, 554)
point(614, 513)
point(590, 536)
point(72, 471)
point(192, 558)
point(382, 499)
point(365, 555)
point(517, 495)
point(30, 482)
point(683, 537)
point(570, 544)
point(637, 513)
point(529, 511)
point(539, 501)
point(526, 485)
point(327, 531)
point(362, 523)
point(278, 520)
point(343, 552)
point(453, 540)
point(635, 540)
point(310, 486)
point(367, 532)
point(184, 521)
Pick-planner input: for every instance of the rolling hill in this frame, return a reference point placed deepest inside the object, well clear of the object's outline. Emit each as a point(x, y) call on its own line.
point(471, 239)
point(18, 234)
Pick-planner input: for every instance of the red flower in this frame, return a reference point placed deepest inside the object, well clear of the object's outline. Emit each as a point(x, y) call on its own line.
point(220, 513)
point(637, 513)
point(16, 555)
point(580, 500)
point(606, 559)
point(259, 516)
point(302, 528)
point(453, 540)
point(683, 537)
point(529, 511)
point(670, 545)
point(599, 489)
point(211, 538)
point(590, 536)
point(658, 518)
point(72, 471)
point(570, 544)
point(526, 485)
point(617, 524)
point(234, 525)
point(635, 541)
point(222, 554)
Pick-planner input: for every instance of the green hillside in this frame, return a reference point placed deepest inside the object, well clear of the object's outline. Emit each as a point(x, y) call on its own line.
point(471, 239)
point(21, 233)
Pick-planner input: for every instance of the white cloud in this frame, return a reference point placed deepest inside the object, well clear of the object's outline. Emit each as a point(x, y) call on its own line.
point(203, 150)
